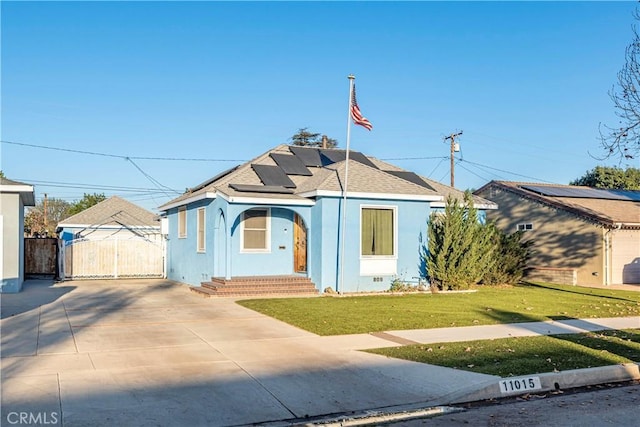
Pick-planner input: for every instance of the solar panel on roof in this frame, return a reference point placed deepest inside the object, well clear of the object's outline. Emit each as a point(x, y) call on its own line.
point(273, 175)
point(335, 156)
point(629, 194)
point(584, 193)
point(214, 179)
point(361, 158)
point(247, 188)
point(411, 177)
point(290, 164)
point(308, 156)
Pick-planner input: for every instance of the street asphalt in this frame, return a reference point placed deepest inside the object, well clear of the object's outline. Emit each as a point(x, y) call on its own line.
point(150, 352)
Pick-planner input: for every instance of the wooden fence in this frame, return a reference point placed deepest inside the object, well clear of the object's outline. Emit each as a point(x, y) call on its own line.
point(40, 256)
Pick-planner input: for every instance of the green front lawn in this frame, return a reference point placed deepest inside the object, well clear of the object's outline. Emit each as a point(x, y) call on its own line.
point(522, 303)
point(527, 355)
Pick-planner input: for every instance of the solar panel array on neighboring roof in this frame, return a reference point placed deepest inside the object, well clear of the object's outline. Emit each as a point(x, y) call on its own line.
point(411, 177)
point(290, 164)
point(584, 193)
point(273, 175)
point(247, 188)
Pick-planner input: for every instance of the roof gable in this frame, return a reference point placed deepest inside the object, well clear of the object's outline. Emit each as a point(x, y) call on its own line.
point(112, 211)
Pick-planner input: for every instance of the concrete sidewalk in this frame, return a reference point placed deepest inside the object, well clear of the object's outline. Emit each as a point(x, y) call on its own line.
point(149, 352)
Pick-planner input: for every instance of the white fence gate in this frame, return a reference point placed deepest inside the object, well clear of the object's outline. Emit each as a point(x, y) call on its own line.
point(112, 258)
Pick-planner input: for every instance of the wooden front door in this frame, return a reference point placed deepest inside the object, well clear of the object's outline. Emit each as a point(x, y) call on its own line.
point(299, 245)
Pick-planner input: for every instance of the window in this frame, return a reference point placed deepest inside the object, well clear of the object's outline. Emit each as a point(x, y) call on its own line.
point(255, 233)
point(378, 232)
point(182, 223)
point(201, 230)
point(525, 227)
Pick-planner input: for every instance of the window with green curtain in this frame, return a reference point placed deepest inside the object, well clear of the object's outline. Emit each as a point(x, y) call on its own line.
point(377, 231)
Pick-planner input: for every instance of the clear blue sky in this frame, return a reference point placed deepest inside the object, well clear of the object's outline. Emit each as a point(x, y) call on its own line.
point(526, 82)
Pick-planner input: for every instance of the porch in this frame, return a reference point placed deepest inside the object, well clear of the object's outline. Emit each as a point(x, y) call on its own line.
point(244, 286)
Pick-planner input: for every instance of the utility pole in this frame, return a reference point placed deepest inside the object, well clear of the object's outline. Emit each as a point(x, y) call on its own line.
point(454, 148)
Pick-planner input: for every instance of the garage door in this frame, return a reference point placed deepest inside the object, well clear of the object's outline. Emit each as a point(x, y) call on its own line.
point(625, 257)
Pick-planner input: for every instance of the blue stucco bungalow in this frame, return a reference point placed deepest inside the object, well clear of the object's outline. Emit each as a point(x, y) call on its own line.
point(281, 214)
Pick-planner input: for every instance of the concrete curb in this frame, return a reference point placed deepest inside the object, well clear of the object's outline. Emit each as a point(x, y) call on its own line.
point(554, 381)
point(368, 416)
point(549, 382)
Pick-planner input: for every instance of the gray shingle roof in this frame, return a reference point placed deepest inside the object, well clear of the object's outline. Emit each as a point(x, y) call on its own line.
point(366, 175)
point(113, 211)
point(7, 181)
point(442, 189)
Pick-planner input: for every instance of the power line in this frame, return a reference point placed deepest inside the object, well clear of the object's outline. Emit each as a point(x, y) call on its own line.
point(118, 156)
point(78, 185)
point(442, 159)
point(414, 158)
point(152, 179)
point(511, 173)
point(473, 173)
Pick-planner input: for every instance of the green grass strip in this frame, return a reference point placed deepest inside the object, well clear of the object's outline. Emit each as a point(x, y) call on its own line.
point(527, 355)
point(487, 306)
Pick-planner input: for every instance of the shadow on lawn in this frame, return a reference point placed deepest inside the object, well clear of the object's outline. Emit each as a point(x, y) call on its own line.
point(606, 341)
point(580, 291)
point(586, 333)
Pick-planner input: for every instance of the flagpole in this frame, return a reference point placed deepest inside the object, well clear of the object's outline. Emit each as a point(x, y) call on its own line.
point(343, 229)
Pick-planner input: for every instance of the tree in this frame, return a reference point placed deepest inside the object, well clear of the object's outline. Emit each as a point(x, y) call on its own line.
point(623, 140)
point(34, 220)
point(2, 174)
point(512, 254)
point(611, 178)
point(305, 138)
point(461, 248)
point(87, 201)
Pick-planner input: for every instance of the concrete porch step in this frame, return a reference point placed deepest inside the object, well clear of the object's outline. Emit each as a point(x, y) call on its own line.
point(257, 286)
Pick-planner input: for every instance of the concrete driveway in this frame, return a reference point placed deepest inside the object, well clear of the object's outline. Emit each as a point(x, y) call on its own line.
point(150, 352)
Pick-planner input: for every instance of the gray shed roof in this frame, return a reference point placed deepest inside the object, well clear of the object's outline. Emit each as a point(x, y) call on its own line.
point(112, 211)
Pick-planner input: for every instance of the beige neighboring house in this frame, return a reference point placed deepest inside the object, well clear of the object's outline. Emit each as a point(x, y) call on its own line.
point(14, 196)
point(114, 238)
point(581, 235)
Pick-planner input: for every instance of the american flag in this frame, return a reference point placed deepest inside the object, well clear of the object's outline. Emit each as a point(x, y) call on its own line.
point(356, 115)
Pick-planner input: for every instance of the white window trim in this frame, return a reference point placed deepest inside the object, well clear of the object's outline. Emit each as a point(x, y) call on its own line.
point(201, 228)
point(181, 210)
point(394, 208)
point(267, 237)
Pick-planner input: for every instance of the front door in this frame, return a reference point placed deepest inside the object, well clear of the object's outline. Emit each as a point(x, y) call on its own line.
point(299, 245)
